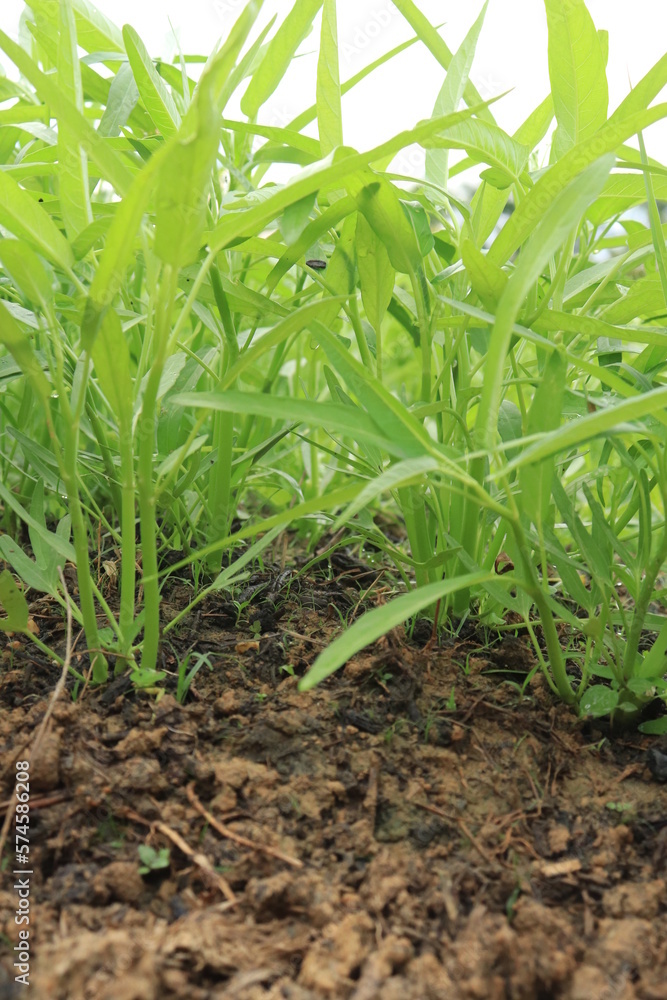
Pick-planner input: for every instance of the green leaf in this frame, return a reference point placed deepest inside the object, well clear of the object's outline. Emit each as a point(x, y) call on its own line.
point(13, 603)
point(621, 192)
point(110, 164)
point(279, 54)
point(485, 143)
point(487, 279)
point(406, 432)
point(421, 226)
point(111, 357)
point(18, 345)
point(654, 727)
point(654, 663)
point(544, 415)
point(378, 622)
point(95, 32)
point(157, 100)
point(335, 417)
point(185, 177)
point(562, 215)
point(279, 136)
point(30, 572)
point(554, 180)
point(376, 274)
point(433, 41)
point(46, 554)
point(643, 92)
point(598, 700)
point(293, 322)
point(594, 424)
point(644, 297)
point(577, 74)
point(23, 216)
point(119, 248)
point(296, 217)
point(307, 116)
point(407, 473)
point(330, 173)
point(73, 186)
point(449, 98)
point(341, 273)
point(378, 201)
point(488, 201)
point(123, 96)
point(329, 118)
point(61, 545)
point(310, 235)
point(28, 272)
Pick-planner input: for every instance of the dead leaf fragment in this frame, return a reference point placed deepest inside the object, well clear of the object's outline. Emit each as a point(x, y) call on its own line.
point(247, 647)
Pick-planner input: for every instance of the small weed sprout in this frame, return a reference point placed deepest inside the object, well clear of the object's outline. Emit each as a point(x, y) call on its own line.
point(152, 860)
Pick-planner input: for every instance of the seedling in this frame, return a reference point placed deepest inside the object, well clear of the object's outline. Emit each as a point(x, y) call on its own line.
point(152, 860)
point(187, 673)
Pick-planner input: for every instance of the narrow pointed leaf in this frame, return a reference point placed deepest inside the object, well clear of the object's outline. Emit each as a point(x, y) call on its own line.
point(378, 622)
point(184, 181)
point(23, 216)
point(108, 161)
point(279, 54)
point(153, 91)
point(329, 118)
point(111, 357)
point(450, 96)
point(577, 74)
point(73, 186)
point(544, 416)
point(28, 271)
point(13, 604)
point(554, 180)
point(376, 273)
point(337, 418)
point(438, 47)
point(18, 345)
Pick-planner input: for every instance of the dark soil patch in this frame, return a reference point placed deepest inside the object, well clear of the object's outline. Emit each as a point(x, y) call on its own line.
point(414, 828)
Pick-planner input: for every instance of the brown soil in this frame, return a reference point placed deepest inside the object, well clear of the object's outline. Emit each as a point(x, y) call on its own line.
point(413, 829)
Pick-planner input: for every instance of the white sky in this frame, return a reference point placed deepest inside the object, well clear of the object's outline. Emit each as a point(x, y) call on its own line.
point(512, 53)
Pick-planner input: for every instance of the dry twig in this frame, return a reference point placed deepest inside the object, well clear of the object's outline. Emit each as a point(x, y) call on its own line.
point(237, 838)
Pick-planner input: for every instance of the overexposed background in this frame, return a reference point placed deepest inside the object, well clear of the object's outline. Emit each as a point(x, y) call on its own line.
point(512, 53)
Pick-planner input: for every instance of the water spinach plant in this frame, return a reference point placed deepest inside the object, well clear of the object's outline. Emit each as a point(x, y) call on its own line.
point(197, 356)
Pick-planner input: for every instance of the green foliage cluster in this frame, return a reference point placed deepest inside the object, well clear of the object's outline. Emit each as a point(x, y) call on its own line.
point(493, 369)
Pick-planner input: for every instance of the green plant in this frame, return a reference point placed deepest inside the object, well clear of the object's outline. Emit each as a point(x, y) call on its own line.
point(186, 676)
point(490, 371)
point(152, 860)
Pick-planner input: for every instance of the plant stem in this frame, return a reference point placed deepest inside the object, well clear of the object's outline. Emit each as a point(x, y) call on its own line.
point(641, 608)
point(146, 431)
point(80, 538)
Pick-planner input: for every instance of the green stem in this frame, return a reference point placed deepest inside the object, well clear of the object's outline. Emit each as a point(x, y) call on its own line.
point(533, 588)
point(146, 432)
point(128, 535)
point(220, 479)
point(362, 344)
point(106, 453)
point(80, 539)
point(220, 484)
point(639, 613)
point(414, 515)
point(421, 296)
